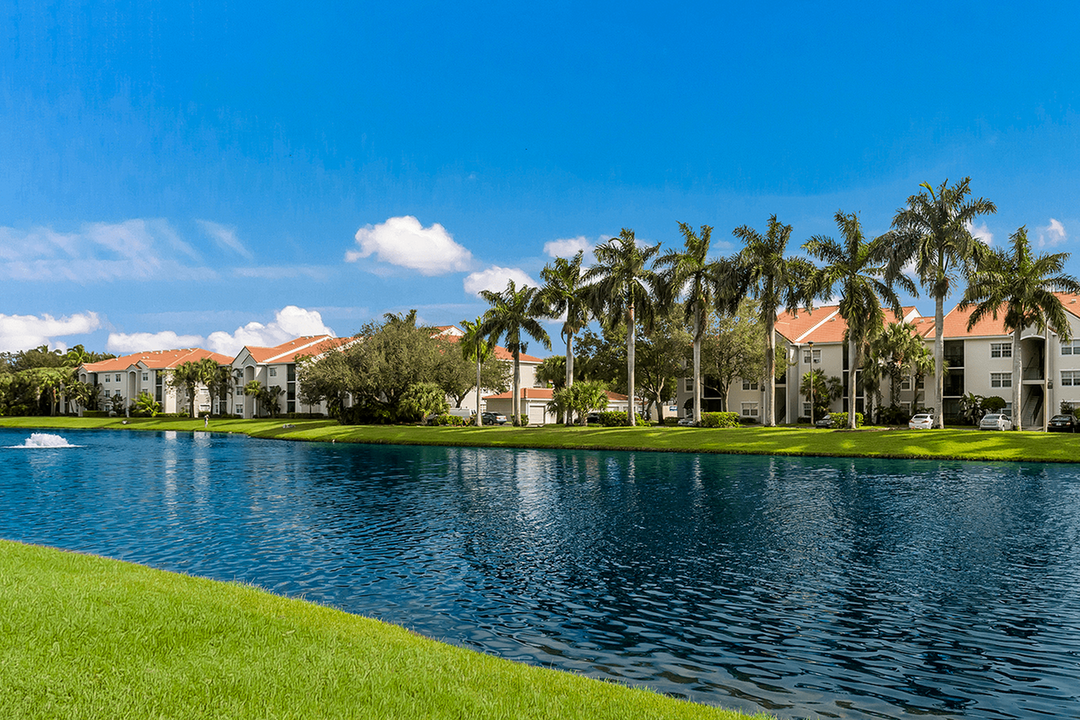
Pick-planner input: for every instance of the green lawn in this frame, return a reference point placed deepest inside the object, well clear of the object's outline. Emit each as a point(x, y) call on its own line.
point(86, 637)
point(951, 443)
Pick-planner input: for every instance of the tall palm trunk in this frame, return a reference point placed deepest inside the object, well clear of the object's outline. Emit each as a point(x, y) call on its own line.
point(630, 328)
point(770, 372)
point(1018, 382)
point(697, 364)
point(479, 416)
point(939, 361)
point(853, 356)
point(515, 405)
point(569, 360)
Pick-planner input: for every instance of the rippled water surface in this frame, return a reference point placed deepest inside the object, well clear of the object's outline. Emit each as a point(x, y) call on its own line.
point(804, 587)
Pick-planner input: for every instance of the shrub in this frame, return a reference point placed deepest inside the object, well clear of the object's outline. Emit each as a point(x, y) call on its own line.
point(894, 415)
point(95, 413)
point(840, 419)
point(451, 420)
point(615, 418)
point(669, 421)
point(748, 420)
point(994, 404)
point(420, 400)
point(524, 420)
point(719, 419)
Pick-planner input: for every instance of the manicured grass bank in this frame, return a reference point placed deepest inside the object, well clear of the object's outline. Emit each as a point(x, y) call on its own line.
point(87, 637)
point(951, 443)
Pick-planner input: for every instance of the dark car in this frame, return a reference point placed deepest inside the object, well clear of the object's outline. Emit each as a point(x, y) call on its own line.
point(1062, 423)
point(825, 422)
point(492, 418)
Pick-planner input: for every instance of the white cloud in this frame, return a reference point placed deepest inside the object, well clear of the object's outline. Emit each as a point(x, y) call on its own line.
point(224, 236)
point(1052, 234)
point(289, 322)
point(131, 250)
point(568, 247)
point(981, 232)
point(495, 279)
point(402, 241)
point(22, 332)
point(125, 344)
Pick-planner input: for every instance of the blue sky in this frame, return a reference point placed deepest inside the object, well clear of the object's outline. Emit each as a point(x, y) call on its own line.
point(219, 174)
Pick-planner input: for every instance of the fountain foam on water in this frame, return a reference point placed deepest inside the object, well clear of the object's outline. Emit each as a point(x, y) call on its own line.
point(44, 440)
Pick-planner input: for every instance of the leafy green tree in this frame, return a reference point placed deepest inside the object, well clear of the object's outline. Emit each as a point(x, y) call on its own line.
point(661, 358)
point(552, 371)
point(219, 383)
point(1021, 286)
point(514, 313)
point(701, 284)
point(422, 399)
point(254, 389)
point(146, 405)
point(324, 379)
point(602, 356)
point(933, 231)
point(896, 349)
point(856, 267)
point(270, 399)
point(775, 282)
point(826, 390)
point(734, 347)
point(579, 399)
point(79, 394)
point(564, 294)
point(622, 285)
point(477, 348)
point(455, 374)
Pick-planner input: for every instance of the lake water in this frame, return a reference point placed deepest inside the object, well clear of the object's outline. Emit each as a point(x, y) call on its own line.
point(803, 587)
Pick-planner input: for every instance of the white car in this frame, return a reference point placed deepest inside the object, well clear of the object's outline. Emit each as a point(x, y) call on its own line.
point(687, 421)
point(995, 421)
point(922, 421)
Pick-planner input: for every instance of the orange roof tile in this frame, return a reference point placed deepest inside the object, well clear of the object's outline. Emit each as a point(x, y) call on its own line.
point(287, 352)
point(157, 360)
point(824, 324)
point(543, 394)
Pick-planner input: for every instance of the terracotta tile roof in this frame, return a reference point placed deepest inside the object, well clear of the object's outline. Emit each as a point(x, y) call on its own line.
point(956, 320)
point(543, 394)
point(824, 324)
point(501, 353)
point(157, 360)
point(286, 352)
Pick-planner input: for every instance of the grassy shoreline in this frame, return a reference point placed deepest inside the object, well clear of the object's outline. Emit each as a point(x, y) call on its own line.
point(88, 637)
point(948, 444)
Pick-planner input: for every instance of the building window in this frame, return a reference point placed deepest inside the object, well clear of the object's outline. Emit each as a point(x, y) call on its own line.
point(806, 409)
point(747, 385)
point(145, 377)
point(107, 391)
point(1072, 348)
point(806, 356)
point(106, 378)
point(273, 372)
point(905, 384)
point(1000, 349)
point(239, 409)
point(689, 385)
point(750, 410)
point(1070, 378)
point(117, 377)
point(1001, 380)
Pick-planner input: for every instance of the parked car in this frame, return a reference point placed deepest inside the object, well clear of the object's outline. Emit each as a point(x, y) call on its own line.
point(825, 422)
point(922, 421)
point(995, 421)
point(592, 419)
point(687, 421)
point(494, 418)
point(1062, 423)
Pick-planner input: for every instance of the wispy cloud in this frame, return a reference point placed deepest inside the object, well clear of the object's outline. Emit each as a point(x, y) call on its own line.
point(282, 272)
point(98, 252)
point(495, 278)
point(22, 332)
point(569, 247)
point(404, 242)
point(124, 344)
point(981, 232)
point(224, 236)
point(1052, 234)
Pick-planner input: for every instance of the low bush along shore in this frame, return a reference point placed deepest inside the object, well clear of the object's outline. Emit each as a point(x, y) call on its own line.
point(87, 637)
point(951, 443)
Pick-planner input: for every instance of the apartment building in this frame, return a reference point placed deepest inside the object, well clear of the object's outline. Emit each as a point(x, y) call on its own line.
point(148, 372)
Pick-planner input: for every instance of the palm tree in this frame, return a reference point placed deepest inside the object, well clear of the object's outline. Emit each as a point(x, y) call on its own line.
point(857, 267)
point(514, 311)
point(702, 283)
point(897, 347)
point(621, 285)
point(933, 232)
point(254, 389)
point(563, 292)
point(476, 346)
point(1022, 287)
point(775, 282)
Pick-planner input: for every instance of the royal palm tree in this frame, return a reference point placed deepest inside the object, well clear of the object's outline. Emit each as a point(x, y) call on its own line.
point(623, 286)
point(514, 311)
point(563, 293)
point(775, 282)
point(701, 284)
point(897, 347)
point(1022, 287)
point(474, 346)
point(933, 232)
point(856, 267)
